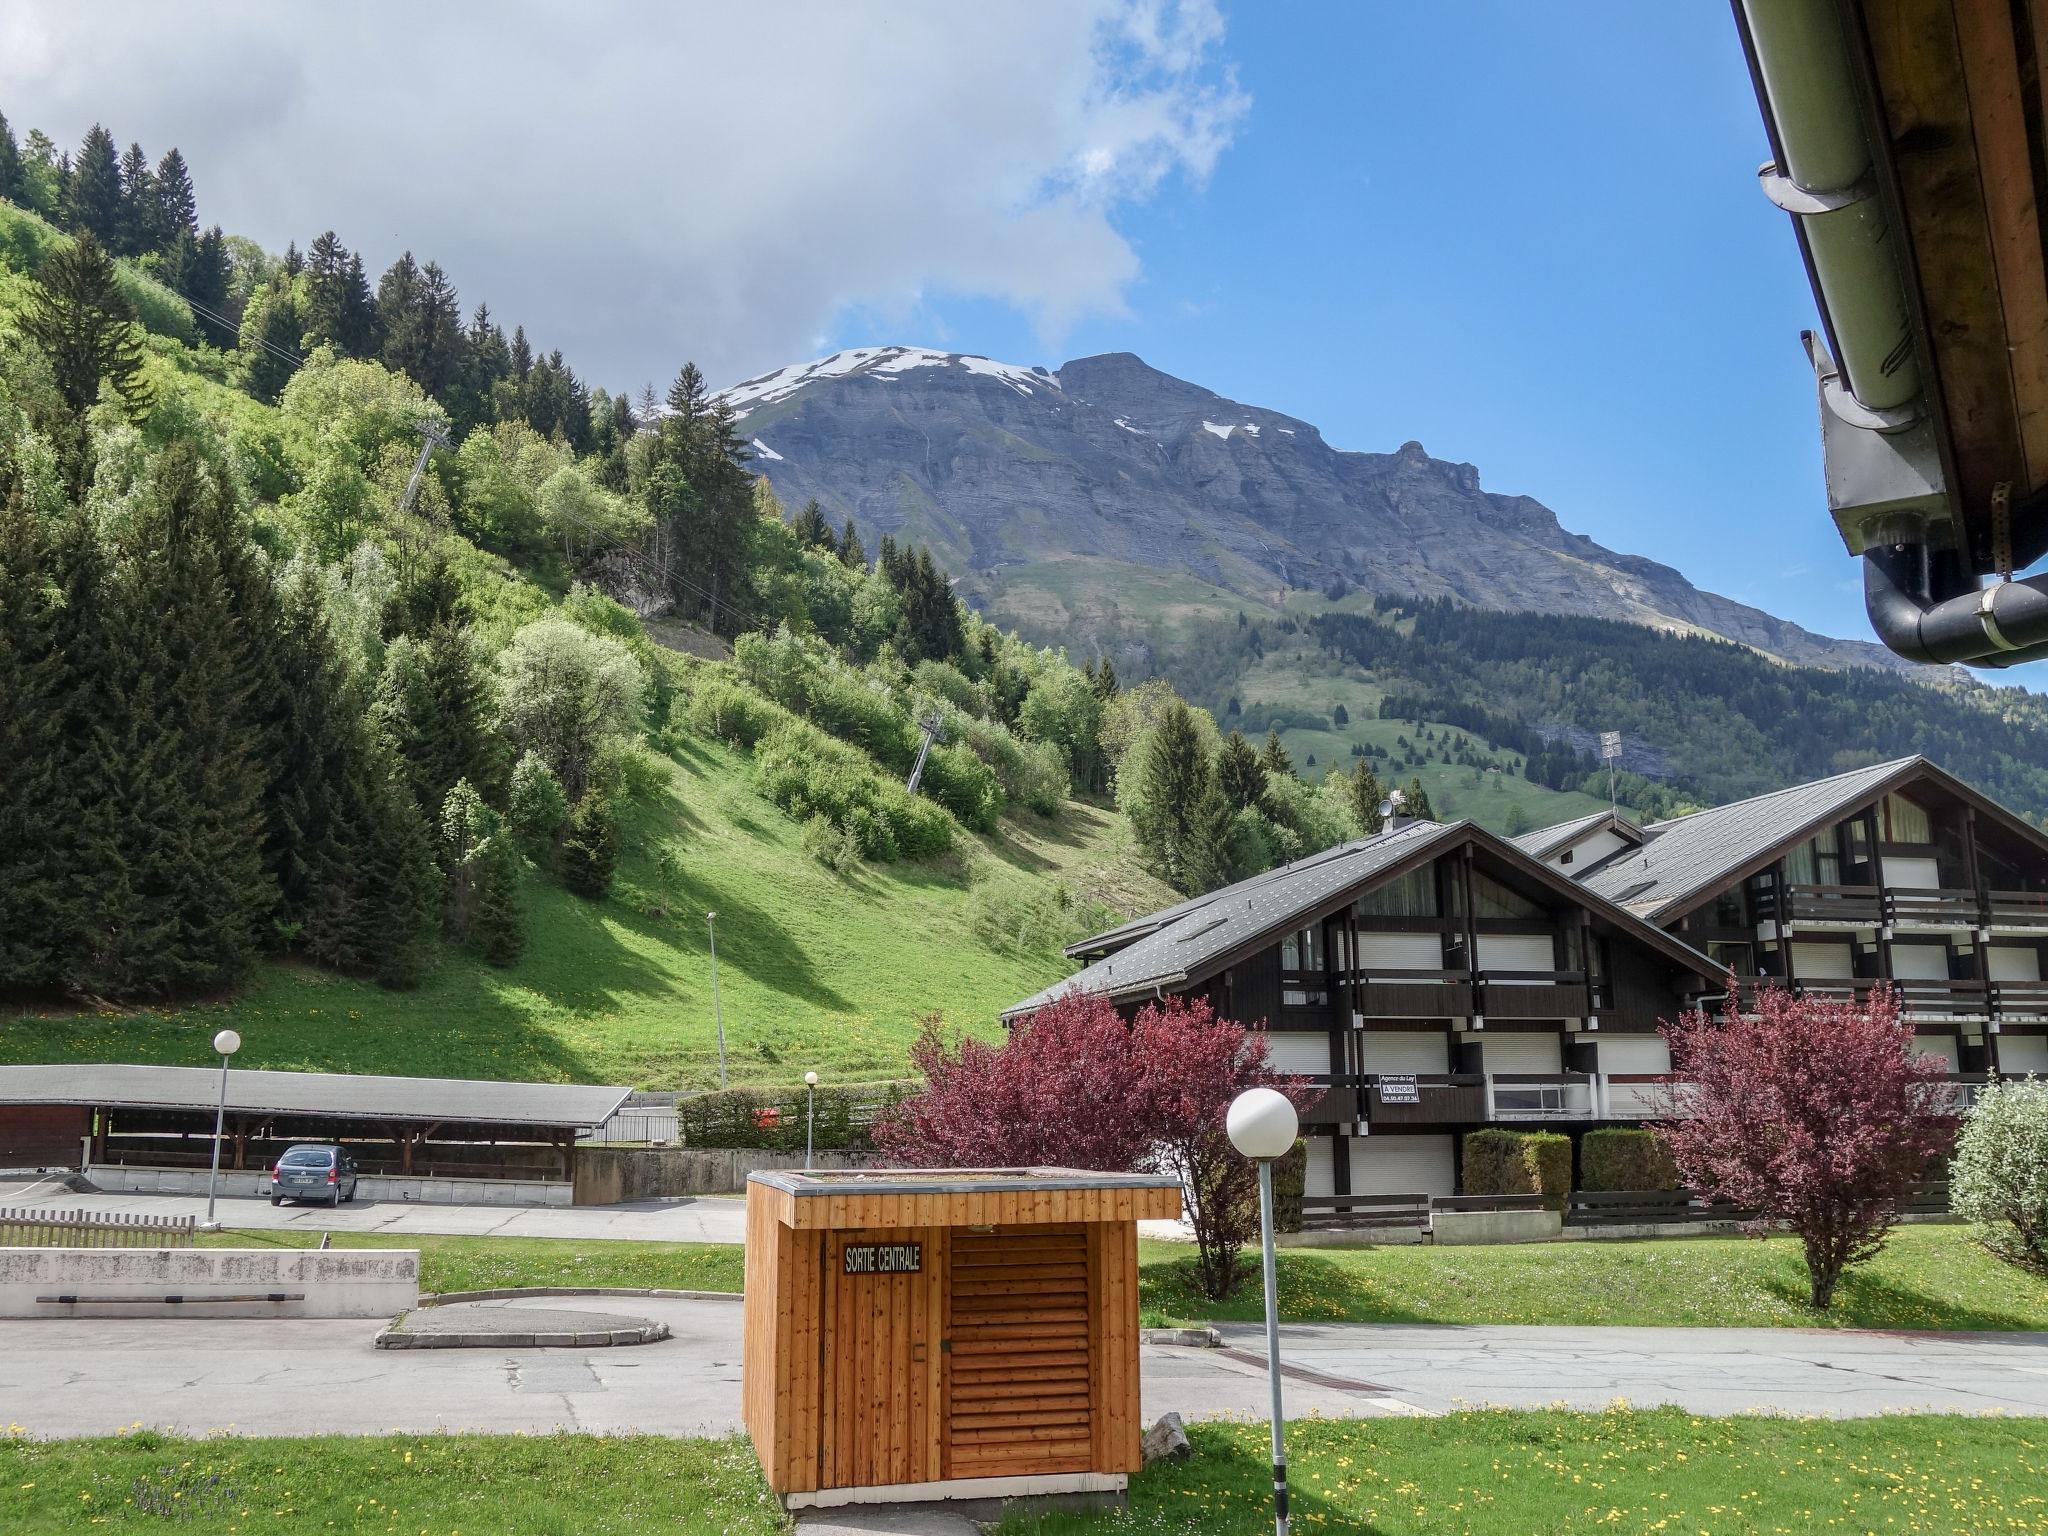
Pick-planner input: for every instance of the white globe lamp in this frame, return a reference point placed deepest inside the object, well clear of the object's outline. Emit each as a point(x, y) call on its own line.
point(1262, 1124)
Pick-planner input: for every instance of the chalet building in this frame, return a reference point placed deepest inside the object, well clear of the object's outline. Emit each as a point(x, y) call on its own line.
point(1433, 979)
point(1898, 873)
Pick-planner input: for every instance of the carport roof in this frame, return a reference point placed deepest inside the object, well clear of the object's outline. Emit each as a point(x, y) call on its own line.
point(334, 1095)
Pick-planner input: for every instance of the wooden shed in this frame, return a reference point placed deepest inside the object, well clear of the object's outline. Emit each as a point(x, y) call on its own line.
point(945, 1333)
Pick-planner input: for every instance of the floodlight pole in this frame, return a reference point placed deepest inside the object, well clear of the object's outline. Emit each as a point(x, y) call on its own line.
point(717, 1012)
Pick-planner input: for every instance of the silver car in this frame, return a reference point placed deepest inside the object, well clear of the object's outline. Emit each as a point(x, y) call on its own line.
point(327, 1174)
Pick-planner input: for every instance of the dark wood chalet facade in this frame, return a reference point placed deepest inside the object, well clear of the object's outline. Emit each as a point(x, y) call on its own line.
point(1896, 874)
point(1433, 979)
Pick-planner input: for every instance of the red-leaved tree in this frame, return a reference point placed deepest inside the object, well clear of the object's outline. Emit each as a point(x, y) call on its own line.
point(1075, 1086)
point(1818, 1116)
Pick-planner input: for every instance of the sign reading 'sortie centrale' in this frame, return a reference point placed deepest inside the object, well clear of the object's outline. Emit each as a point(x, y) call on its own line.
point(884, 1259)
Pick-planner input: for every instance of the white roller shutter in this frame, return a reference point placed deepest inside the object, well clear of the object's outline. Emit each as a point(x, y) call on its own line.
point(1516, 952)
point(1911, 874)
point(1397, 1052)
point(1403, 1165)
point(2010, 963)
point(1629, 1053)
point(1920, 962)
point(1293, 1050)
point(1400, 951)
point(1316, 1178)
point(2021, 1055)
point(1942, 1046)
point(1523, 1053)
point(1819, 962)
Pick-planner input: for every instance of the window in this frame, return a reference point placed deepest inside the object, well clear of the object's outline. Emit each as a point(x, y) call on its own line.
point(1727, 910)
point(1905, 822)
point(1566, 856)
point(1301, 957)
point(1739, 958)
point(1412, 895)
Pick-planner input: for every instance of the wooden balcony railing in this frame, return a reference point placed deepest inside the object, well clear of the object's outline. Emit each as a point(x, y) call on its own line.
point(1386, 993)
point(1944, 999)
point(1533, 995)
point(1849, 906)
point(1438, 1098)
point(2020, 1001)
point(1932, 908)
point(2023, 910)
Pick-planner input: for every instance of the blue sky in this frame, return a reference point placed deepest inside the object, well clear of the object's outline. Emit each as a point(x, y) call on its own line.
point(1528, 236)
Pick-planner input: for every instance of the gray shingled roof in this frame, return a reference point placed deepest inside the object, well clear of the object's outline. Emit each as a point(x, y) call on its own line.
point(1225, 920)
point(1545, 841)
point(332, 1095)
point(1688, 855)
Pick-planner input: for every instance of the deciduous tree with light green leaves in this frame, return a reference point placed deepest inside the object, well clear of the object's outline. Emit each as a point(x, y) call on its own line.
point(1998, 1177)
point(562, 692)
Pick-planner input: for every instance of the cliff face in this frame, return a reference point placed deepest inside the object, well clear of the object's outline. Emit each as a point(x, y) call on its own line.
point(996, 465)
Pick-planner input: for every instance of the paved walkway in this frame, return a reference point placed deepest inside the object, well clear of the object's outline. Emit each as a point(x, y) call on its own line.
point(711, 1219)
point(1705, 1370)
point(90, 1377)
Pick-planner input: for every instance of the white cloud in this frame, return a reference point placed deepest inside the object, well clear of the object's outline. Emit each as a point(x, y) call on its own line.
point(640, 183)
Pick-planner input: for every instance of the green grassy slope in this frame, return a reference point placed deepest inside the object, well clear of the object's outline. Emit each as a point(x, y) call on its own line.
point(816, 970)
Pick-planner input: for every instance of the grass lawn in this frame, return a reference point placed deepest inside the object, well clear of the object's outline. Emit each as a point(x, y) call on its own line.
point(474, 1485)
point(1928, 1277)
point(816, 970)
point(1659, 1471)
point(488, 1263)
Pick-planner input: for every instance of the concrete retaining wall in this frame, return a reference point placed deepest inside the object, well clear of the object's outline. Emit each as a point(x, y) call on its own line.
point(256, 1182)
point(1453, 1228)
point(608, 1175)
point(339, 1282)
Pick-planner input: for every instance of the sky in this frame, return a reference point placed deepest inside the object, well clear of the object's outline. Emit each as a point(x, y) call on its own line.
point(1529, 237)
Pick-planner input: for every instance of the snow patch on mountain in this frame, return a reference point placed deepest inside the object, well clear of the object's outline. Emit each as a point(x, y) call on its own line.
point(766, 452)
point(880, 363)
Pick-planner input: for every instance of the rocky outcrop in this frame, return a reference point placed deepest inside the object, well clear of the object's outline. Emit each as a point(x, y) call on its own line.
point(996, 465)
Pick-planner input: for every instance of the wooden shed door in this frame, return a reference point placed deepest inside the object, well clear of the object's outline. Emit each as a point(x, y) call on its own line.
point(1017, 1373)
point(881, 1377)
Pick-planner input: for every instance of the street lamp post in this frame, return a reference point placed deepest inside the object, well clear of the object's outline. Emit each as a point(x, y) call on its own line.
point(717, 1013)
point(810, 1114)
point(1262, 1125)
point(227, 1042)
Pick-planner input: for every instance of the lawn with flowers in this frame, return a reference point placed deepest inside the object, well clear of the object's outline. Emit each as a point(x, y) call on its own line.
point(437, 1485)
point(1623, 1470)
point(1932, 1276)
point(816, 969)
point(489, 1263)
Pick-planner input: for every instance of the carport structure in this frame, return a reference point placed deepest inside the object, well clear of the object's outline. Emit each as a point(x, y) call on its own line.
point(437, 1127)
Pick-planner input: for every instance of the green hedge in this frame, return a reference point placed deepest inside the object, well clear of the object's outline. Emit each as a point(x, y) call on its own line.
point(1519, 1163)
point(773, 1119)
point(1625, 1160)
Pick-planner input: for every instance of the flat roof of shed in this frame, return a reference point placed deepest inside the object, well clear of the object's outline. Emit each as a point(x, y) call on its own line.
point(334, 1095)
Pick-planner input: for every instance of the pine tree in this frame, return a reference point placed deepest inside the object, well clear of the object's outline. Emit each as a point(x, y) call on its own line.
point(326, 291)
point(1174, 777)
point(433, 707)
point(499, 929)
point(92, 194)
point(1239, 774)
point(1105, 680)
point(403, 882)
point(851, 554)
point(1415, 801)
point(522, 354)
point(1365, 793)
point(1214, 857)
point(1340, 715)
point(1273, 756)
point(138, 222)
point(12, 189)
point(810, 527)
point(177, 210)
point(359, 336)
point(271, 333)
point(79, 317)
point(293, 262)
point(590, 852)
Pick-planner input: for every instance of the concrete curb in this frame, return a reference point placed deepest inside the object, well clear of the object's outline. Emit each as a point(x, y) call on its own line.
point(395, 1337)
point(1191, 1338)
point(514, 1292)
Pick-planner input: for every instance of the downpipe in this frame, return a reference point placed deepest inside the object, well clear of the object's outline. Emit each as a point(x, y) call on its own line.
point(1922, 610)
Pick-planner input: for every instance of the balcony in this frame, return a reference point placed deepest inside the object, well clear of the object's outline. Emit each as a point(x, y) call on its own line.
point(1533, 995)
point(1437, 1098)
point(1958, 1000)
point(1339, 1103)
point(2019, 912)
point(1407, 994)
point(1941, 910)
point(1518, 1096)
point(2020, 1002)
point(1944, 999)
point(1821, 906)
